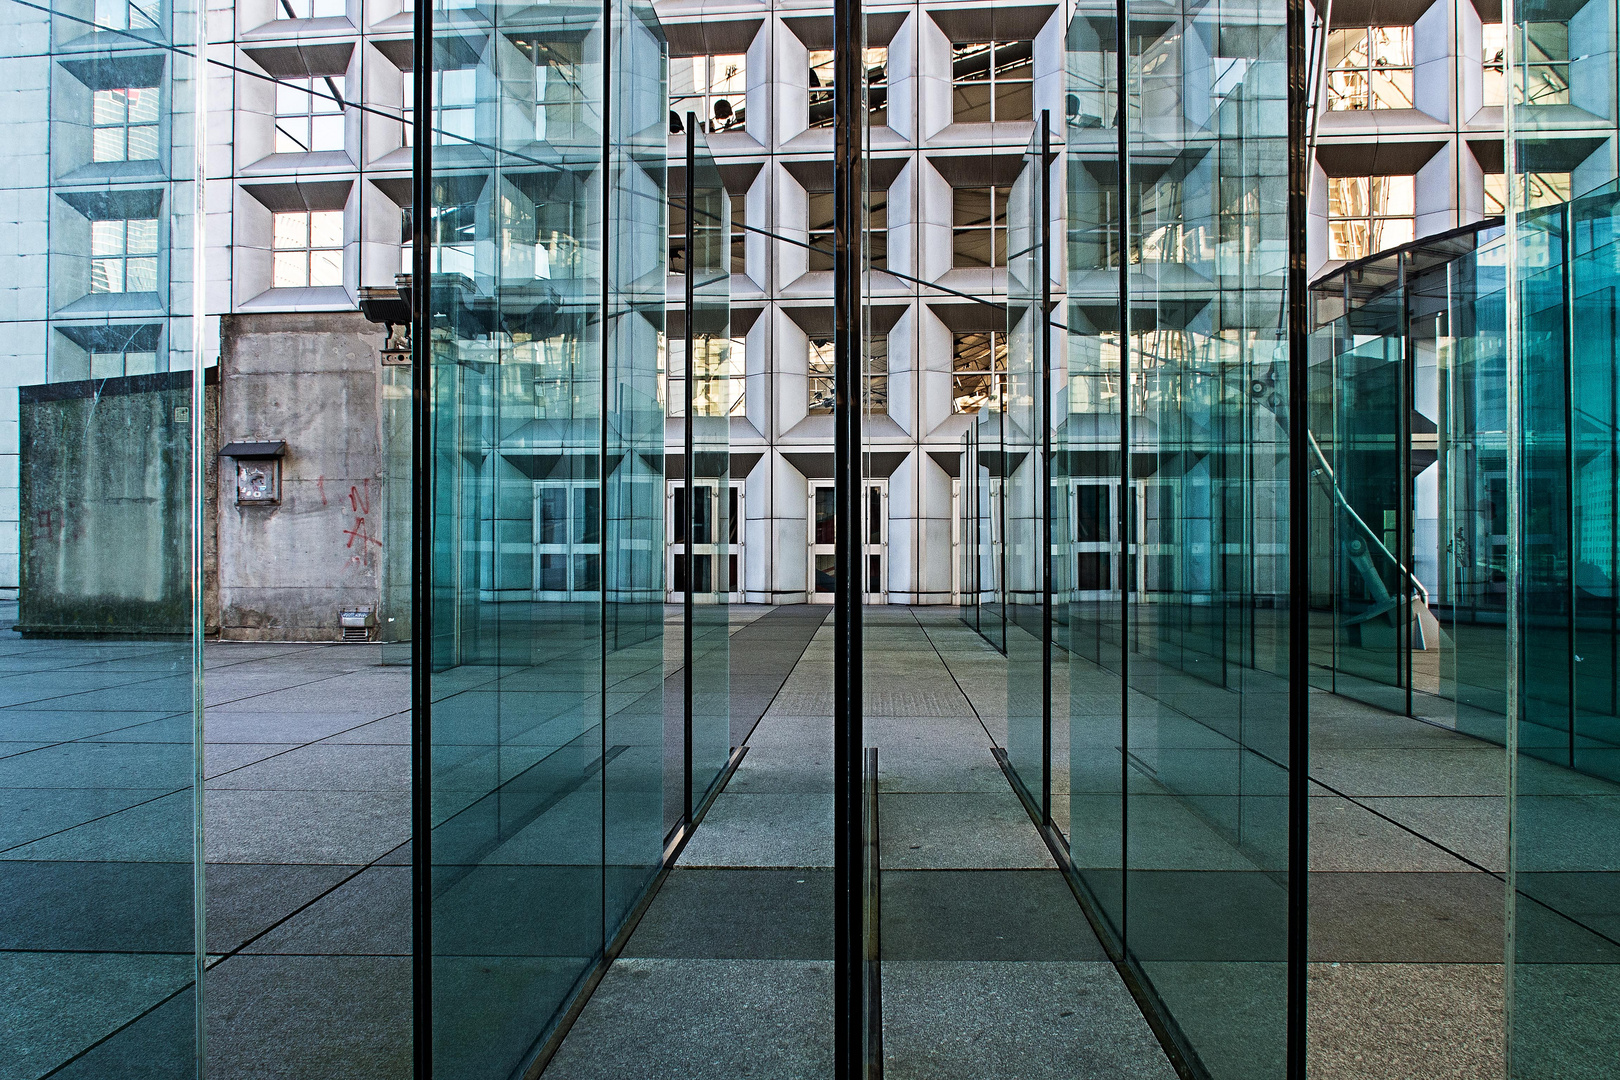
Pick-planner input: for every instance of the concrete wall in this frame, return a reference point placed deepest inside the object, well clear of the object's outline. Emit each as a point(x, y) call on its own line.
point(312, 379)
point(105, 491)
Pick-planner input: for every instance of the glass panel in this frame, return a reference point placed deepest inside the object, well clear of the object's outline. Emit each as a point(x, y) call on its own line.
point(715, 381)
point(520, 749)
point(1559, 488)
point(1027, 449)
point(1408, 443)
point(106, 413)
point(1179, 807)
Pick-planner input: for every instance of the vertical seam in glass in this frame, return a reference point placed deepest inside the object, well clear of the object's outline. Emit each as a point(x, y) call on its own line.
point(603, 429)
point(421, 571)
point(1567, 274)
point(1044, 329)
point(199, 308)
point(1405, 506)
point(1297, 345)
point(1121, 119)
point(1511, 359)
point(848, 593)
point(689, 471)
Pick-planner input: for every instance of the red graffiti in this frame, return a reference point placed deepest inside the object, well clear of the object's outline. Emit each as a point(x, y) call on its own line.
point(58, 524)
point(320, 486)
point(360, 497)
point(360, 532)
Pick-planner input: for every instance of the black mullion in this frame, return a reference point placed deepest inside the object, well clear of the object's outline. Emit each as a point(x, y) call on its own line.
point(1568, 274)
point(1299, 94)
point(848, 189)
point(1405, 398)
point(603, 429)
point(689, 469)
point(421, 545)
point(1122, 179)
point(1044, 330)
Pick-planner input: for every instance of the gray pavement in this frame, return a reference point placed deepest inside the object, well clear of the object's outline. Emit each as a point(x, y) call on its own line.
point(307, 834)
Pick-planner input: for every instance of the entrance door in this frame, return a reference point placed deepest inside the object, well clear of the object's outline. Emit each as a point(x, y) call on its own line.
point(718, 537)
point(1094, 525)
point(567, 540)
point(874, 529)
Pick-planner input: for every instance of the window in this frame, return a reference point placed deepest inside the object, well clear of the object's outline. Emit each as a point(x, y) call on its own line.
point(979, 372)
point(821, 86)
point(713, 87)
point(877, 229)
point(1368, 214)
point(1542, 189)
point(450, 239)
point(739, 233)
point(875, 380)
point(455, 105)
point(123, 255)
point(1369, 67)
point(979, 227)
point(452, 232)
point(308, 249)
point(992, 81)
point(1544, 58)
point(875, 384)
point(111, 365)
point(309, 117)
point(127, 14)
point(559, 111)
point(125, 124)
point(821, 230)
point(720, 368)
point(407, 108)
point(822, 397)
point(311, 9)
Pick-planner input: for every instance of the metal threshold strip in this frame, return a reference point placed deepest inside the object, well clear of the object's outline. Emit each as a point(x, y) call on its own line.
point(1177, 1047)
point(673, 847)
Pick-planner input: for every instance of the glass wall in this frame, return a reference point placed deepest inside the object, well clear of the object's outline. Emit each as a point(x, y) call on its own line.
point(563, 761)
point(1492, 474)
point(1153, 496)
point(104, 427)
point(705, 507)
point(1408, 445)
point(1564, 805)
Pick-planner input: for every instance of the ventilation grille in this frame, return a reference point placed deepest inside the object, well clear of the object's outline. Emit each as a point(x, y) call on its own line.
point(356, 633)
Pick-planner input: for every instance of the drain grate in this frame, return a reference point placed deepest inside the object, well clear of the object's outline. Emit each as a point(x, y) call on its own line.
point(356, 625)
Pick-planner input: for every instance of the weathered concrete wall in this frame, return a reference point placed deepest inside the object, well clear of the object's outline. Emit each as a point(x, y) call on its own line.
point(105, 471)
point(287, 570)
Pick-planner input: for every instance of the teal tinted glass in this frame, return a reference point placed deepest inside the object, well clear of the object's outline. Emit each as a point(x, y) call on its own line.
point(1559, 478)
point(712, 509)
point(104, 414)
point(518, 614)
point(1174, 477)
point(1023, 489)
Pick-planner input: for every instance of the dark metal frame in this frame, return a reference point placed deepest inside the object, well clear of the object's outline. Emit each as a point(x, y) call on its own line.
point(1299, 536)
point(689, 445)
point(421, 594)
point(1122, 114)
point(422, 543)
point(851, 1057)
point(1043, 332)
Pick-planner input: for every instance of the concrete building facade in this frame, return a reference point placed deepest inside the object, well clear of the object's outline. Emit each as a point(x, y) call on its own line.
point(308, 184)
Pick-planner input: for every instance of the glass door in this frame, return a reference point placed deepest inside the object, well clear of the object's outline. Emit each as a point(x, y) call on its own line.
point(717, 541)
point(567, 540)
point(1099, 560)
point(875, 528)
